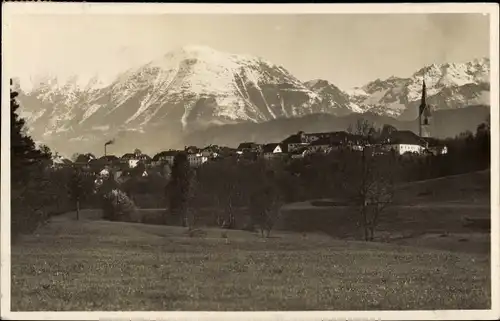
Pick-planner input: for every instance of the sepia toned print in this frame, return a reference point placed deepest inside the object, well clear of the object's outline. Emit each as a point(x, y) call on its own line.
point(251, 162)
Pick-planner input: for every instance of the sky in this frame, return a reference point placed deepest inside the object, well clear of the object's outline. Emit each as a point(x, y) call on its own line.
point(347, 49)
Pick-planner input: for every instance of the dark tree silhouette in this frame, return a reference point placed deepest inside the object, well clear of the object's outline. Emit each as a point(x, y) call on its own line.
point(180, 189)
point(28, 177)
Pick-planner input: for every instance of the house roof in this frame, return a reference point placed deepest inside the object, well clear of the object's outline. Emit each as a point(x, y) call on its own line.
point(323, 141)
point(165, 154)
point(292, 139)
point(128, 156)
point(321, 135)
point(109, 158)
point(404, 137)
point(61, 160)
point(192, 148)
point(318, 134)
point(247, 145)
point(226, 151)
point(269, 148)
point(211, 148)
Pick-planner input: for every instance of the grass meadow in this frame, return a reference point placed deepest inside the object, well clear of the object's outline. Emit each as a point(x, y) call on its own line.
point(91, 264)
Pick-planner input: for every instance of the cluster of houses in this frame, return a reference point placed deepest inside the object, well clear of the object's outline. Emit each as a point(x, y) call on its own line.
point(298, 145)
point(302, 144)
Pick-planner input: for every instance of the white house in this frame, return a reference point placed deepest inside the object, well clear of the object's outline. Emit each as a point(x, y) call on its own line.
point(405, 141)
point(196, 159)
point(132, 163)
point(407, 148)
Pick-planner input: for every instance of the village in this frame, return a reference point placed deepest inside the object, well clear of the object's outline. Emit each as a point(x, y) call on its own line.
point(300, 145)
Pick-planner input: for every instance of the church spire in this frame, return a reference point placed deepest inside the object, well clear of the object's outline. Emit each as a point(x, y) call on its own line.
point(423, 103)
point(424, 113)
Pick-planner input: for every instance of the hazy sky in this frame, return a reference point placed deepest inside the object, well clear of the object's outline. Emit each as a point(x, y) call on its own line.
point(348, 50)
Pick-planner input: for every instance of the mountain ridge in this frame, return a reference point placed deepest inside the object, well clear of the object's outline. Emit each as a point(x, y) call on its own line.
point(193, 88)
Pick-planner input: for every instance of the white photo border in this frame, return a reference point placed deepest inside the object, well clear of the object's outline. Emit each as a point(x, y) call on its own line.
point(10, 9)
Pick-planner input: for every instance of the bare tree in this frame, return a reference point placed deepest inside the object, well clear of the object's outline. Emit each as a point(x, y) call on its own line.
point(368, 179)
point(266, 201)
point(377, 189)
point(221, 182)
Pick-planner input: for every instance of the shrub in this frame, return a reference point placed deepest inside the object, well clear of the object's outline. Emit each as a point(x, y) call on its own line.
point(117, 206)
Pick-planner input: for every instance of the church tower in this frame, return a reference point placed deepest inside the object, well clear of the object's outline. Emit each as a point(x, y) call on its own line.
point(424, 115)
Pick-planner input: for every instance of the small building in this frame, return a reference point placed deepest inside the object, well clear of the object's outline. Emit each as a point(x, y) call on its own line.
point(61, 162)
point(434, 147)
point(320, 145)
point(299, 153)
point(312, 137)
point(224, 152)
point(107, 160)
point(249, 156)
point(211, 152)
point(196, 159)
point(165, 157)
point(404, 141)
point(294, 142)
point(191, 149)
point(272, 150)
point(133, 159)
point(248, 147)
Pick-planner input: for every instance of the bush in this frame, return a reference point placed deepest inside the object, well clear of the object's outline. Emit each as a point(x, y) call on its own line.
point(25, 219)
point(117, 206)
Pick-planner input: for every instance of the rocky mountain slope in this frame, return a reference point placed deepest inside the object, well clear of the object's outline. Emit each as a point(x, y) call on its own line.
point(189, 88)
point(195, 87)
point(449, 86)
point(336, 101)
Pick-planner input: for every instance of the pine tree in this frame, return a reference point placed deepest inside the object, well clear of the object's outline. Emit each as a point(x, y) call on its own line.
point(23, 149)
point(27, 174)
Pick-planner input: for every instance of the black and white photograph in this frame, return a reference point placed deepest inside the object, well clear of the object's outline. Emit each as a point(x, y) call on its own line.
point(321, 160)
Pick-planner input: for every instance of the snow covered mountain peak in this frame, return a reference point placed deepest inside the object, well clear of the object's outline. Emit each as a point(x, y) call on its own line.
point(187, 88)
point(449, 85)
point(194, 87)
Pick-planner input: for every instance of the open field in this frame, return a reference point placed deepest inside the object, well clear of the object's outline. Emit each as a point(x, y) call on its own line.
point(471, 188)
point(397, 223)
point(432, 211)
point(98, 265)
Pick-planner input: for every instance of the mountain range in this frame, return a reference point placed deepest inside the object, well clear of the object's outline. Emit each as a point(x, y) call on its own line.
point(195, 90)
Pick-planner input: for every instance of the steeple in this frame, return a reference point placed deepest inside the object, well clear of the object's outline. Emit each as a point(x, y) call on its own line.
point(424, 114)
point(422, 100)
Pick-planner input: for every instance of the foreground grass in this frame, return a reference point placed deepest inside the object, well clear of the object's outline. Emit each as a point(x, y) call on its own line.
point(97, 265)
